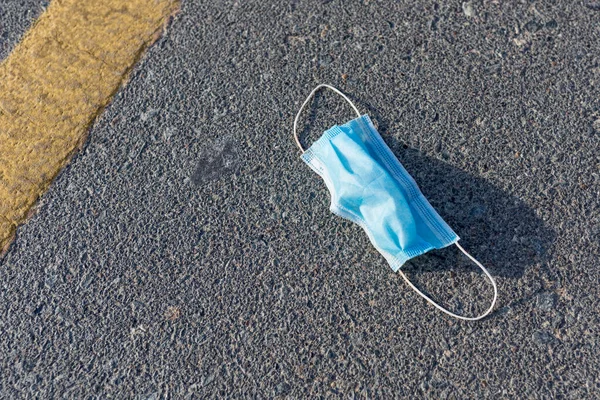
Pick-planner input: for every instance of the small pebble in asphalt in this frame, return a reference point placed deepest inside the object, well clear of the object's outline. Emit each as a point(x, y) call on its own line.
point(593, 5)
point(467, 7)
point(546, 301)
point(542, 338)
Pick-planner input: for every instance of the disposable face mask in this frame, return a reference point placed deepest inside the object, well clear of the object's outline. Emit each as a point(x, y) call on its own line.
point(370, 187)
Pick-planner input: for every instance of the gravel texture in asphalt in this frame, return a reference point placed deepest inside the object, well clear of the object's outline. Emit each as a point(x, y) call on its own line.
point(188, 251)
point(15, 18)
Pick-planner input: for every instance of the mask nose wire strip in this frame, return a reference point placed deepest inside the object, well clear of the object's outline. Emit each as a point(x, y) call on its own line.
point(449, 312)
point(322, 85)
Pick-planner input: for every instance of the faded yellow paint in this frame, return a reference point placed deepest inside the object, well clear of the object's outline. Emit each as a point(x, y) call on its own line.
point(55, 83)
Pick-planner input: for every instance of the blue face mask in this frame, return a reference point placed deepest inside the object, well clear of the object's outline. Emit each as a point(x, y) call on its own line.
point(370, 187)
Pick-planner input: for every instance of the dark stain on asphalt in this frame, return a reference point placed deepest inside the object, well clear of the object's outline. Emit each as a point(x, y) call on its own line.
point(219, 159)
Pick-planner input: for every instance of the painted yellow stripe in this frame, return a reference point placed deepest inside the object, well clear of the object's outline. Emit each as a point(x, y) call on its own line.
point(55, 83)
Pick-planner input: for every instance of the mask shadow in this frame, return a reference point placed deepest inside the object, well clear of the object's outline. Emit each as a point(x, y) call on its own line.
point(497, 228)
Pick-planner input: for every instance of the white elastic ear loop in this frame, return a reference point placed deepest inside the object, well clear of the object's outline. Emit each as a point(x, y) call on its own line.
point(322, 85)
point(449, 312)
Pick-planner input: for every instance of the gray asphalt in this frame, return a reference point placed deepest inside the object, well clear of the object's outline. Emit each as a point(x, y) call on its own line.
point(187, 252)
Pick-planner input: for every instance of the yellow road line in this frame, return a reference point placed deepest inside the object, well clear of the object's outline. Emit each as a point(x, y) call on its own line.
point(55, 83)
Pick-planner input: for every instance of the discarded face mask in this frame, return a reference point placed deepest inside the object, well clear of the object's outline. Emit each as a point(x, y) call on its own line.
point(370, 187)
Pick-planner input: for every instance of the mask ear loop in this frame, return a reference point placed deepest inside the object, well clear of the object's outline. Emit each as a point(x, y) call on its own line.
point(322, 85)
point(449, 312)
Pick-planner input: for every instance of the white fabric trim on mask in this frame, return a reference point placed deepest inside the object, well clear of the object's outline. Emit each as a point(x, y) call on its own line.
point(449, 312)
point(322, 85)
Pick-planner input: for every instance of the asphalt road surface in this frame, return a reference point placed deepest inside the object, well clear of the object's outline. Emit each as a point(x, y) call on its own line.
point(188, 251)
